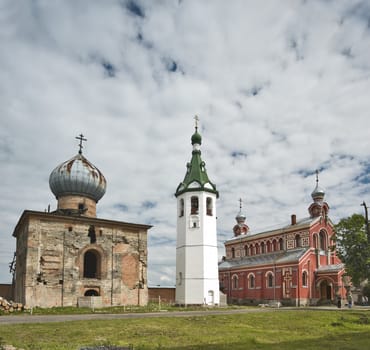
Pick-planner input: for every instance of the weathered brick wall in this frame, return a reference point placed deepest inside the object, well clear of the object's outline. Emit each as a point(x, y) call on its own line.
point(54, 266)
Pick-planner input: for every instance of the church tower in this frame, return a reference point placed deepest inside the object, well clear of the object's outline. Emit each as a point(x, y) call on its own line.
point(196, 249)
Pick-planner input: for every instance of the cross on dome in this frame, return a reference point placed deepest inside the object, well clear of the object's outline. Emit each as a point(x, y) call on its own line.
point(81, 138)
point(196, 118)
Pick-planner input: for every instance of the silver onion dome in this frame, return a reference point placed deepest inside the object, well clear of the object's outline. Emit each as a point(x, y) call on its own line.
point(77, 176)
point(318, 193)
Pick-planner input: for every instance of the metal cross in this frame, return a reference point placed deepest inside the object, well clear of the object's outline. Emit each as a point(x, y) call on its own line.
point(196, 118)
point(241, 203)
point(81, 138)
point(317, 176)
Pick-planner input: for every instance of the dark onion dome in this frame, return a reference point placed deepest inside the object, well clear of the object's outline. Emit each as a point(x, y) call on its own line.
point(196, 138)
point(77, 176)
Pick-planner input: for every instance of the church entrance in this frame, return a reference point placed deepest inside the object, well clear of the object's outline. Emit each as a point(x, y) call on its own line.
point(325, 290)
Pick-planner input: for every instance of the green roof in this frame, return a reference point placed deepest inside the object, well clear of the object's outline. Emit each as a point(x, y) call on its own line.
point(196, 178)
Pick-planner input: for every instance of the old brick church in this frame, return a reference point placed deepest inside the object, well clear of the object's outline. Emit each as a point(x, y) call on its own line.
point(69, 254)
point(294, 264)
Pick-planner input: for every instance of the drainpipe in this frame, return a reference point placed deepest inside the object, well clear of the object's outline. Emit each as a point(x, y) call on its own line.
point(63, 263)
point(112, 257)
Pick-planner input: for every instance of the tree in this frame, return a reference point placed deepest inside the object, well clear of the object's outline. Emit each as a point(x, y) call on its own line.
point(353, 247)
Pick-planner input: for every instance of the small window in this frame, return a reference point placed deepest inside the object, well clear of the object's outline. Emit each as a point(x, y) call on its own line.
point(257, 249)
point(270, 280)
point(233, 252)
point(181, 207)
point(251, 281)
point(263, 248)
point(194, 205)
point(274, 245)
point(209, 206)
point(322, 237)
point(281, 244)
point(298, 241)
point(304, 279)
point(246, 250)
point(235, 282)
point(92, 234)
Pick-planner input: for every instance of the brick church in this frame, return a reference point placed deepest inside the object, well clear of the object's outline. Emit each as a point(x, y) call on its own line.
point(294, 264)
point(67, 255)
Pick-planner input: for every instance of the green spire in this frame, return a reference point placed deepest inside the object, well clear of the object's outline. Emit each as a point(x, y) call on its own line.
point(196, 178)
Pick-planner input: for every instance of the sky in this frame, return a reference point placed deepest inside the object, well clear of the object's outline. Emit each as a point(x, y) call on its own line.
point(281, 89)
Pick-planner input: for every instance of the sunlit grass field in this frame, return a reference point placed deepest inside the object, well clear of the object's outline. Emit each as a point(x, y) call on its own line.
point(278, 329)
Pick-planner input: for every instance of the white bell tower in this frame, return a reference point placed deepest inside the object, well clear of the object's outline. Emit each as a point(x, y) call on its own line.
point(196, 249)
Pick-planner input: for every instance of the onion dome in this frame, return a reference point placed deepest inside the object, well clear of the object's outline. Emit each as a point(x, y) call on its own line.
point(318, 193)
point(78, 177)
point(196, 138)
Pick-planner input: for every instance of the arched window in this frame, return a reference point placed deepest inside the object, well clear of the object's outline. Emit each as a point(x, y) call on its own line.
point(91, 293)
point(181, 207)
point(235, 282)
point(322, 237)
point(194, 205)
point(233, 252)
point(251, 281)
point(304, 279)
point(245, 250)
point(274, 245)
point(297, 241)
point(91, 264)
point(92, 234)
point(281, 244)
point(270, 280)
point(257, 247)
point(268, 247)
point(315, 241)
point(209, 206)
point(263, 248)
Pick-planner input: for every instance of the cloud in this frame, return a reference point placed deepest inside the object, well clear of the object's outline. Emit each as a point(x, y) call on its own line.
point(280, 88)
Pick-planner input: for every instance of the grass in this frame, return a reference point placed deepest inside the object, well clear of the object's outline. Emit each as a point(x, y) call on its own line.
point(275, 330)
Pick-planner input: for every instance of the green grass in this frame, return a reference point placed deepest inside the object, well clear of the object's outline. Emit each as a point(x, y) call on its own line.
point(275, 330)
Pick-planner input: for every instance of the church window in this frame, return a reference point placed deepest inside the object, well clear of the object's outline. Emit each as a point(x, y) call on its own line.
point(281, 244)
point(235, 282)
point(315, 241)
point(257, 247)
point(268, 247)
point(262, 248)
point(246, 250)
point(91, 293)
point(298, 241)
point(209, 206)
point(233, 252)
point(92, 234)
point(304, 279)
point(322, 237)
point(251, 281)
point(270, 280)
point(274, 245)
point(194, 205)
point(181, 208)
point(91, 267)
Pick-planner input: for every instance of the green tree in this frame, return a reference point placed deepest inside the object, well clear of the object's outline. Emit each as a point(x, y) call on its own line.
point(353, 247)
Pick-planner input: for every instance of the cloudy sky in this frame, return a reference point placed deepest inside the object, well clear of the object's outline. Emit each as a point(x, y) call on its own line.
point(281, 89)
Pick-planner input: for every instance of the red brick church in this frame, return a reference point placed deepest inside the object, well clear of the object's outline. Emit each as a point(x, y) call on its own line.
point(294, 264)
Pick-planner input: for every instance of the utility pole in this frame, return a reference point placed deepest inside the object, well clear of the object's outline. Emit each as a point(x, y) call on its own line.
point(366, 221)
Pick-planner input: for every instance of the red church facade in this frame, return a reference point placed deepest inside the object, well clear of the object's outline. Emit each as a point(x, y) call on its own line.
point(295, 264)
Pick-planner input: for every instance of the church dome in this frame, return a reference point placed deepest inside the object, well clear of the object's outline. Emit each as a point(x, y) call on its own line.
point(77, 176)
point(196, 138)
point(318, 193)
